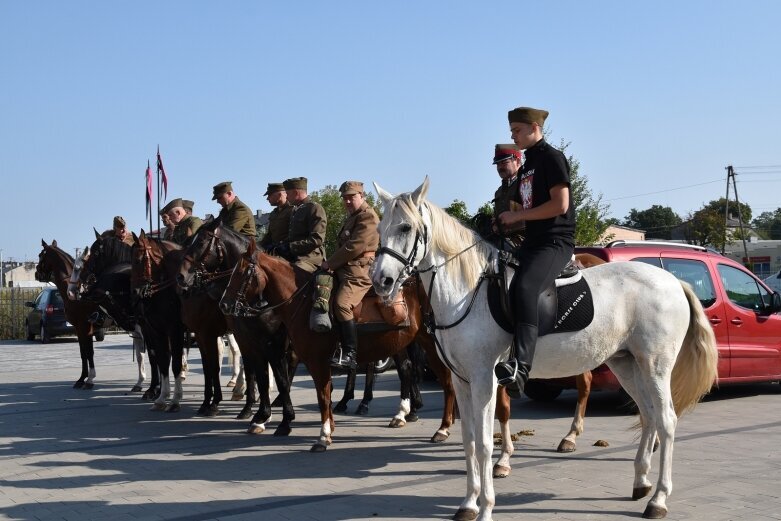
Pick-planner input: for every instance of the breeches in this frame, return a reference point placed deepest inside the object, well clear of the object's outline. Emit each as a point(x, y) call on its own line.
point(349, 293)
point(539, 266)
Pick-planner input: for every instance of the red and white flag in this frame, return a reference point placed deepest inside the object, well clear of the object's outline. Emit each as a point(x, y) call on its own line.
point(161, 172)
point(148, 190)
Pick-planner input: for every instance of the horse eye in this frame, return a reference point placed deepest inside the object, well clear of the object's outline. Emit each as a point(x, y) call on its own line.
point(405, 227)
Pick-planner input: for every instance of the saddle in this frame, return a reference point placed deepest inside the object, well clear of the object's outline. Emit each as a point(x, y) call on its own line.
point(372, 314)
point(565, 306)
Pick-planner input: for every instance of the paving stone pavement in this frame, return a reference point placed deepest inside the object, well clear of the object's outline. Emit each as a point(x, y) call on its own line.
point(102, 454)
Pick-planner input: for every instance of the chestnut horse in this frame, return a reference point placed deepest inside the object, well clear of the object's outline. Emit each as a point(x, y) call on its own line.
point(54, 265)
point(288, 290)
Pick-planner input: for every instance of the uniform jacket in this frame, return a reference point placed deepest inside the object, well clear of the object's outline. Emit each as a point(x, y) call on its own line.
point(238, 217)
point(307, 232)
point(357, 236)
point(186, 228)
point(278, 226)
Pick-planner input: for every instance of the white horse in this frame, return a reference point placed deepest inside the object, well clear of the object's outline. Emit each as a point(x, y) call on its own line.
point(648, 327)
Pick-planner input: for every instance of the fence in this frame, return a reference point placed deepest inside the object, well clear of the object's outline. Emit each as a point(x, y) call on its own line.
point(13, 311)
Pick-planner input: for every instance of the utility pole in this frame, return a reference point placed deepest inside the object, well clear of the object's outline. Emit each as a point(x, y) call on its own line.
point(731, 177)
point(2, 273)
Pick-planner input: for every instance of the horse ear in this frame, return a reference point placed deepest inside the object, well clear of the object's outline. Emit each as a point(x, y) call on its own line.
point(85, 255)
point(385, 197)
point(54, 242)
point(420, 193)
point(43, 243)
point(135, 237)
point(97, 235)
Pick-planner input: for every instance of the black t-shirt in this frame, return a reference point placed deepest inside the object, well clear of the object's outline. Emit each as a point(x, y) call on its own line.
point(544, 168)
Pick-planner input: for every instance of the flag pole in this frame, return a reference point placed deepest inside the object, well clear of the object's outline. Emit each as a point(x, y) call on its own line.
point(158, 192)
point(148, 195)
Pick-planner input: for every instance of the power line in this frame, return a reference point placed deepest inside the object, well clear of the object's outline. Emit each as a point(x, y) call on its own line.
point(663, 191)
point(763, 166)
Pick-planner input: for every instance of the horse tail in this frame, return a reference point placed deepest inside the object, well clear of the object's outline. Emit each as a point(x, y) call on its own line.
point(695, 370)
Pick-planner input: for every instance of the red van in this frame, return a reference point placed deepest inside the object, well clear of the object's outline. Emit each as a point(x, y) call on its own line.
point(739, 306)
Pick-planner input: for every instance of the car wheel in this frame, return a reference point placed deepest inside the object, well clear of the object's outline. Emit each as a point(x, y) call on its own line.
point(541, 391)
point(45, 337)
point(30, 334)
point(100, 334)
point(380, 366)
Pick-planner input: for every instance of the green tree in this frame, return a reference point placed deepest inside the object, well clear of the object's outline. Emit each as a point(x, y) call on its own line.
point(720, 205)
point(331, 200)
point(768, 224)
point(591, 220)
point(706, 227)
point(459, 210)
point(657, 221)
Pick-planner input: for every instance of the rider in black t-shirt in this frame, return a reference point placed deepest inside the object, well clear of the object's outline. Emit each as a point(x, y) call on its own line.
point(546, 207)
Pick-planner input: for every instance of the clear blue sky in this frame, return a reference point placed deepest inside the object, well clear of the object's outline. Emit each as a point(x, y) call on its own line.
point(652, 96)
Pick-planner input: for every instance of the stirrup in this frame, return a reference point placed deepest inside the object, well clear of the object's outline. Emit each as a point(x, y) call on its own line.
point(338, 361)
point(507, 372)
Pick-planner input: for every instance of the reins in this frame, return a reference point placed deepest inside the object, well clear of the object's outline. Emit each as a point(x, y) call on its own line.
point(241, 308)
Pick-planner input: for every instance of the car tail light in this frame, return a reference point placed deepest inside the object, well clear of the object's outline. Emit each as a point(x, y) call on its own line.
point(49, 310)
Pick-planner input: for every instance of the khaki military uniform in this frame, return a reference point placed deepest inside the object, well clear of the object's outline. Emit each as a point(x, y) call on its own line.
point(502, 197)
point(186, 229)
point(168, 234)
point(306, 234)
point(278, 226)
point(357, 241)
point(239, 218)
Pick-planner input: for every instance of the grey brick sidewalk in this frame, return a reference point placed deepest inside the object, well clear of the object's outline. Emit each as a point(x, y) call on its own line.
point(102, 454)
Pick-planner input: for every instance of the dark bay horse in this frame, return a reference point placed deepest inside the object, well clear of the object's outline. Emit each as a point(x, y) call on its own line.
point(153, 286)
point(54, 265)
point(288, 291)
point(202, 278)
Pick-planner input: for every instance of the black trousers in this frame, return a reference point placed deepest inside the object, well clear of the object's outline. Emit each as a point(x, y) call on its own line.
point(540, 264)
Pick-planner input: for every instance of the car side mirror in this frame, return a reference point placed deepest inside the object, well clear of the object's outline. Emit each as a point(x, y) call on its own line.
point(775, 304)
point(29, 304)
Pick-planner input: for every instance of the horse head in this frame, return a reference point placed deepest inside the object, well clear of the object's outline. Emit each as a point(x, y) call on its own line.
point(204, 254)
point(141, 276)
point(403, 239)
point(246, 285)
point(75, 282)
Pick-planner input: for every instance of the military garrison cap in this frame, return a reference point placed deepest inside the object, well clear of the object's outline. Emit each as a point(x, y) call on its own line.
point(274, 187)
point(119, 222)
point(527, 115)
point(351, 187)
point(221, 188)
point(187, 204)
point(174, 203)
point(295, 182)
point(505, 152)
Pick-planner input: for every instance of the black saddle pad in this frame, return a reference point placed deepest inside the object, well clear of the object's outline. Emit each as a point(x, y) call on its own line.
point(565, 309)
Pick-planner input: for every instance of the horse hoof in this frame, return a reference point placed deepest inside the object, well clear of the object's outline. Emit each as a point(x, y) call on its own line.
point(231, 383)
point(500, 471)
point(78, 385)
point(174, 407)
point(256, 429)
point(89, 385)
point(411, 417)
point(212, 411)
point(237, 397)
point(654, 512)
point(318, 447)
point(136, 389)
point(397, 423)
point(640, 492)
point(566, 446)
point(244, 414)
point(439, 437)
point(465, 514)
point(282, 430)
point(362, 410)
point(147, 396)
point(340, 407)
point(157, 407)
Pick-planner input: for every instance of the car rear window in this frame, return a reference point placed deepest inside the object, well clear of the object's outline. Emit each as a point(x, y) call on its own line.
point(695, 273)
point(56, 299)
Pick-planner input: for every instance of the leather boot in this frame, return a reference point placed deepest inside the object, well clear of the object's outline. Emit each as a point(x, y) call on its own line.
point(97, 318)
point(514, 373)
point(346, 356)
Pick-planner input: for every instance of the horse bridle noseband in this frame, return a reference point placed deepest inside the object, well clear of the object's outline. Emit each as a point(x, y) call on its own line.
point(201, 275)
point(242, 308)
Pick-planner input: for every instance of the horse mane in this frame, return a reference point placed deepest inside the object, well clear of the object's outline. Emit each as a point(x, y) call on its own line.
point(448, 235)
point(62, 253)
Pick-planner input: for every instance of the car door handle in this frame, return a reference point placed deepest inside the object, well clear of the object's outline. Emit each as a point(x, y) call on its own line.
point(715, 320)
point(736, 321)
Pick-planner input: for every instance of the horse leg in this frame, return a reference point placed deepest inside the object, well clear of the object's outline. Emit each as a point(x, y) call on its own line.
point(290, 364)
point(138, 350)
point(278, 362)
point(446, 381)
point(151, 393)
point(349, 392)
point(163, 359)
point(258, 423)
point(176, 340)
point(468, 508)
point(404, 370)
point(215, 355)
point(205, 344)
point(368, 390)
point(84, 362)
point(248, 373)
point(91, 374)
point(321, 375)
point(583, 381)
point(234, 359)
point(502, 467)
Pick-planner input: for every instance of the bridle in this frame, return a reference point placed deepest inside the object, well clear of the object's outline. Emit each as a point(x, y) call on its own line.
point(201, 274)
point(242, 308)
point(150, 288)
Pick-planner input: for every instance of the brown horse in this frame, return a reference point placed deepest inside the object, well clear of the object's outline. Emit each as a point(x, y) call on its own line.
point(288, 290)
point(54, 265)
